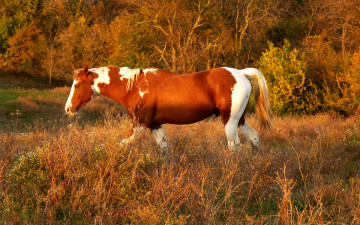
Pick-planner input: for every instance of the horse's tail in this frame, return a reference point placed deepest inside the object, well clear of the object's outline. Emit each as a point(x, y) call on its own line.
point(262, 104)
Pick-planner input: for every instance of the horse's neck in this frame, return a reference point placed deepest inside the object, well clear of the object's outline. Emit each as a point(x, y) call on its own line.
point(118, 92)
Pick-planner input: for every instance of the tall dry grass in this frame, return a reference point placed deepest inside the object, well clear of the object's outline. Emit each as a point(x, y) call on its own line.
point(61, 90)
point(27, 104)
point(308, 173)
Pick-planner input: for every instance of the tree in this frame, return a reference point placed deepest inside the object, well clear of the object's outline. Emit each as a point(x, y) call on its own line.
point(18, 34)
point(179, 35)
point(248, 13)
point(338, 21)
point(20, 53)
point(54, 21)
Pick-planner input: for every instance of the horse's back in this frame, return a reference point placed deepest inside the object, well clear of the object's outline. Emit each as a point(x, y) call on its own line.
point(196, 88)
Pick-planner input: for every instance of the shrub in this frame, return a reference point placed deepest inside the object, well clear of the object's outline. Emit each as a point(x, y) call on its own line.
point(344, 95)
point(290, 88)
point(27, 181)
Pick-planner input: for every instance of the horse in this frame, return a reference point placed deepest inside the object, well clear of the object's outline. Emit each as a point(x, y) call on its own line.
point(154, 97)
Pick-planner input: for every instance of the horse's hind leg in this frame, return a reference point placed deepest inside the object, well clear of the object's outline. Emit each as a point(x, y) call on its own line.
point(232, 103)
point(160, 138)
point(249, 133)
point(231, 121)
point(231, 133)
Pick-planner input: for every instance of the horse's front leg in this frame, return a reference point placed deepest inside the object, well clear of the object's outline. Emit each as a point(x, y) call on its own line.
point(136, 131)
point(160, 138)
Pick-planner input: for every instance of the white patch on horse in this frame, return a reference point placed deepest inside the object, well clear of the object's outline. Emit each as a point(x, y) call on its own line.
point(68, 104)
point(143, 93)
point(129, 74)
point(239, 98)
point(150, 70)
point(250, 134)
point(103, 78)
point(160, 138)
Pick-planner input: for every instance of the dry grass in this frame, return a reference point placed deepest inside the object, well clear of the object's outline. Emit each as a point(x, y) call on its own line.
point(49, 101)
point(27, 104)
point(308, 173)
point(61, 90)
point(3, 112)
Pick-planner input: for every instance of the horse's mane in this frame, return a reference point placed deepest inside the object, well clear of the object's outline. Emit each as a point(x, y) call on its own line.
point(131, 75)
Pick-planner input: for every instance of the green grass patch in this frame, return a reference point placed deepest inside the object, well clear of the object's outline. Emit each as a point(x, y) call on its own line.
point(21, 108)
point(9, 96)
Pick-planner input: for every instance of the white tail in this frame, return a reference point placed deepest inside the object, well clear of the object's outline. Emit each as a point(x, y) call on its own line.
point(262, 104)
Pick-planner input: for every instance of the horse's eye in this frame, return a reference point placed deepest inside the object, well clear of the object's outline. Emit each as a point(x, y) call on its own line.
point(78, 85)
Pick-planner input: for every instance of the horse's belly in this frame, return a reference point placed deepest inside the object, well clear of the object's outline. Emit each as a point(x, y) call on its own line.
point(183, 115)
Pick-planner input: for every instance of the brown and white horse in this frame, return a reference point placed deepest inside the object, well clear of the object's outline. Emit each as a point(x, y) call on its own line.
point(154, 97)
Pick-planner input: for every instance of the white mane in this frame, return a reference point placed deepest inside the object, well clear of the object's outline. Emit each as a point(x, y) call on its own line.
point(132, 74)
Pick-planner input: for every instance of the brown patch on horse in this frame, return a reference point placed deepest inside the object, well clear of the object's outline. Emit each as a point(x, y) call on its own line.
point(130, 99)
point(116, 87)
point(172, 98)
point(204, 96)
point(223, 96)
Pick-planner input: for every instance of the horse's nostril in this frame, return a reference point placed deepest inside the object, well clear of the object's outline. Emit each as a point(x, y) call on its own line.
point(67, 109)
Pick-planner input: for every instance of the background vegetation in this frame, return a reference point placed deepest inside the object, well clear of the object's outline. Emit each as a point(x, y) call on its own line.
point(59, 170)
point(308, 50)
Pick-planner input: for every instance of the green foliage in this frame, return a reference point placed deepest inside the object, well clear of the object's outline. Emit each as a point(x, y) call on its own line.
point(290, 88)
point(27, 181)
point(132, 43)
point(5, 24)
point(16, 15)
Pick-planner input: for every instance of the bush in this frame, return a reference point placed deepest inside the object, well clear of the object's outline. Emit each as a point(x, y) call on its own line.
point(343, 95)
point(27, 181)
point(290, 88)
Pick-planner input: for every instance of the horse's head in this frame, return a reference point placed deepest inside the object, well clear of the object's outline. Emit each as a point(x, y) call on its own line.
point(81, 91)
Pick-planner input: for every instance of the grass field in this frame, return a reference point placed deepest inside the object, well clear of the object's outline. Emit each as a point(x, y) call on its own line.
point(73, 171)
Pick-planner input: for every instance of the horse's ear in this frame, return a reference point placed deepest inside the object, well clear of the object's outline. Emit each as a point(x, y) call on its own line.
point(86, 69)
point(90, 76)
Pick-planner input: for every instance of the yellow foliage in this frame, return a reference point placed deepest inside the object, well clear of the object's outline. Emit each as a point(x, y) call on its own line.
point(346, 96)
point(290, 89)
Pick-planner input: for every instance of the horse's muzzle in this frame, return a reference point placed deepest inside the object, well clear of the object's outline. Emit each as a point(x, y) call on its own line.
point(69, 112)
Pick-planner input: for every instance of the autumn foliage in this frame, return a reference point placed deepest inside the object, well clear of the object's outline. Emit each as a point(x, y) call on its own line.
point(308, 50)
